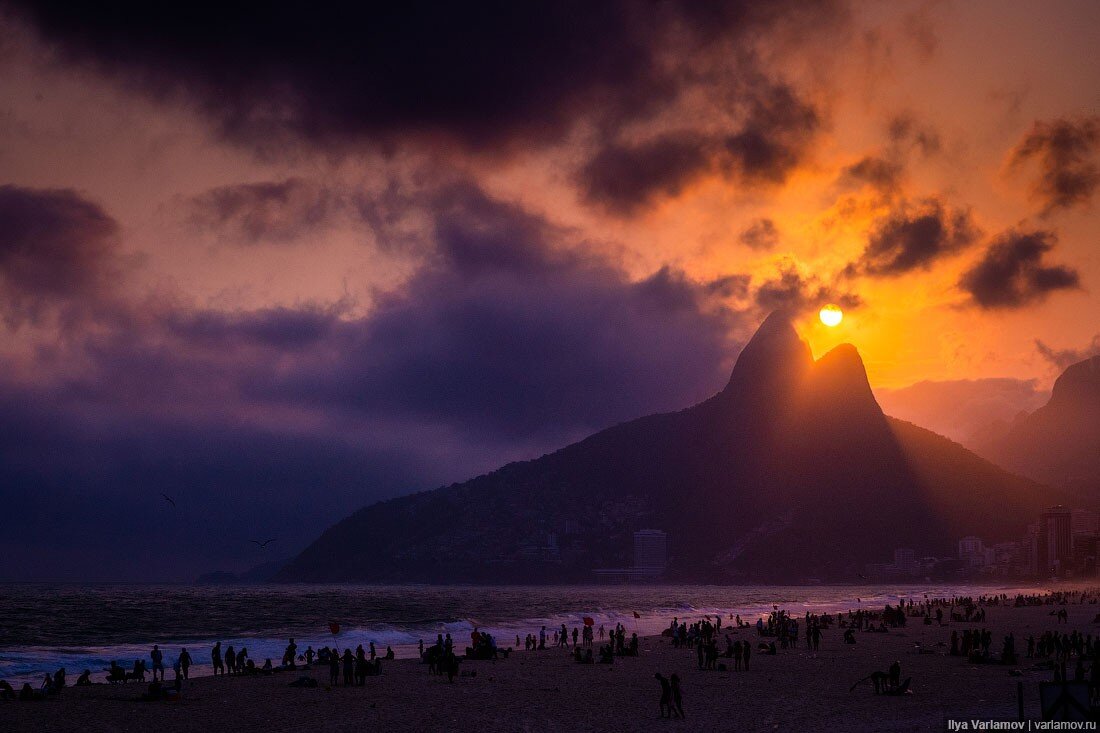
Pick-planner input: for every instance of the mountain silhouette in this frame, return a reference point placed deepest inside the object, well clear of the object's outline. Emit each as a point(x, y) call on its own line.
point(791, 471)
point(1059, 443)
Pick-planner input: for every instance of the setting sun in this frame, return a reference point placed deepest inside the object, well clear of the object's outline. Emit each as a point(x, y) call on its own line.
point(831, 315)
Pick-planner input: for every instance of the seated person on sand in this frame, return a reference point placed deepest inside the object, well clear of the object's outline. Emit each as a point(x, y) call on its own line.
point(139, 671)
point(7, 692)
point(85, 678)
point(29, 693)
point(115, 673)
point(849, 636)
point(267, 666)
point(389, 653)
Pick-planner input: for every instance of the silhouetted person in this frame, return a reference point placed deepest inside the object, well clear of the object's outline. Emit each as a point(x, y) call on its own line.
point(349, 667)
point(677, 699)
point(333, 668)
point(291, 654)
point(85, 678)
point(184, 662)
point(158, 662)
point(59, 680)
point(230, 660)
point(216, 658)
point(360, 666)
point(665, 704)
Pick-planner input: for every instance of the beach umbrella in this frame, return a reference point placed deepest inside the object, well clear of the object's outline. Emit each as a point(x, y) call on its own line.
point(589, 621)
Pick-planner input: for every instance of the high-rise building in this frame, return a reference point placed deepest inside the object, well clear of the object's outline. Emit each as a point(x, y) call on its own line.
point(650, 549)
point(905, 560)
point(972, 552)
point(1084, 521)
point(1055, 546)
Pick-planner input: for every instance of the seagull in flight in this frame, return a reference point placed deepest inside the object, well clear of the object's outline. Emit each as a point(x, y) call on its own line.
point(168, 499)
point(265, 543)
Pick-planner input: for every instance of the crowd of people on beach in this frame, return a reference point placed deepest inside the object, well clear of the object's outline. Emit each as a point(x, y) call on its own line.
point(1067, 655)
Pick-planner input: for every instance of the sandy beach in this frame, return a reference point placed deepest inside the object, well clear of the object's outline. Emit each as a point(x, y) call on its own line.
point(796, 690)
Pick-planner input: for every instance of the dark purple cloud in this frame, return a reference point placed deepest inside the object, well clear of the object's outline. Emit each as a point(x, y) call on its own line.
point(263, 212)
point(761, 235)
point(793, 291)
point(334, 72)
point(884, 176)
point(1062, 358)
point(1066, 151)
point(510, 340)
point(914, 236)
point(776, 133)
point(624, 178)
point(55, 247)
point(906, 131)
point(771, 140)
point(1013, 273)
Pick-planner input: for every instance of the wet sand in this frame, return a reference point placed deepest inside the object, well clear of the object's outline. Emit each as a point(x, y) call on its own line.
point(797, 690)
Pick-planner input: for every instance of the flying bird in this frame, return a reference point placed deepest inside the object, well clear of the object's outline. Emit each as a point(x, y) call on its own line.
point(265, 543)
point(168, 499)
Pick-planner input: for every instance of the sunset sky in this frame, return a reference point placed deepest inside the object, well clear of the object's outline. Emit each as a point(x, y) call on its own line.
point(280, 263)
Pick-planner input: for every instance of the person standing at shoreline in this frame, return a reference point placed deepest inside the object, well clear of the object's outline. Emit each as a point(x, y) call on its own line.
point(216, 659)
point(185, 662)
point(158, 662)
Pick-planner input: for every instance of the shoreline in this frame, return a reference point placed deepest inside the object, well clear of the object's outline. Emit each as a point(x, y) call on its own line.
point(404, 639)
point(545, 690)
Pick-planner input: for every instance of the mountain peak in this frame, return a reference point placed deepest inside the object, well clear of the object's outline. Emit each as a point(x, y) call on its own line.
point(1079, 383)
point(840, 374)
point(775, 357)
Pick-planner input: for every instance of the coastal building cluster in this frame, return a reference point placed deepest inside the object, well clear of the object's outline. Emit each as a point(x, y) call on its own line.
point(1061, 543)
point(650, 559)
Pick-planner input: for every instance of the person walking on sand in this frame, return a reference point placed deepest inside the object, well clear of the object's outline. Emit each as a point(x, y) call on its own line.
point(563, 637)
point(216, 659)
point(677, 700)
point(665, 704)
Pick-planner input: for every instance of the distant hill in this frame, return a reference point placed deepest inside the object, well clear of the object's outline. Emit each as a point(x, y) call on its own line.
point(1059, 443)
point(792, 471)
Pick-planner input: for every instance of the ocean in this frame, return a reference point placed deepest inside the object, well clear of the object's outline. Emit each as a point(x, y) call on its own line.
point(44, 627)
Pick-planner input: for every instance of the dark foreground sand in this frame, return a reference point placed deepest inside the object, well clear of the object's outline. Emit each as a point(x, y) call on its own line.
point(546, 691)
